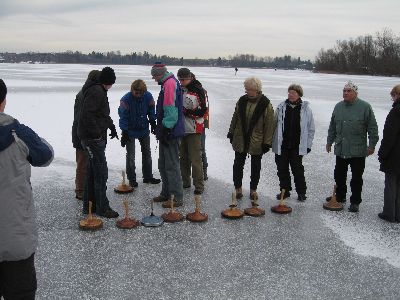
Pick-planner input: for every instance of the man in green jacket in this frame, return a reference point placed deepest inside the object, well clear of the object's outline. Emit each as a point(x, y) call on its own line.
point(352, 119)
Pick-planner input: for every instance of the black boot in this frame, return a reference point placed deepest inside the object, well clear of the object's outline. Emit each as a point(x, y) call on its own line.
point(353, 207)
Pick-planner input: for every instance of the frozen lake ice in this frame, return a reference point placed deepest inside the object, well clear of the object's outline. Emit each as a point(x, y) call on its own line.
point(311, 253)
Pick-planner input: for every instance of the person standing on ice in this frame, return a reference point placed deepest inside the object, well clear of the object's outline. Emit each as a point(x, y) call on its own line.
point(293, 138)
point(352, 120)
point(250, 132)
point(388, 155)
point(194, 108)
point(136, 111)
point(92, 131)
point(80, 156)
point(20, 148)
point(170, 129)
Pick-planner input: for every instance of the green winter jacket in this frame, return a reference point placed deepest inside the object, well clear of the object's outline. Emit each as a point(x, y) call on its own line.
point(248, 135)
point(349, 126)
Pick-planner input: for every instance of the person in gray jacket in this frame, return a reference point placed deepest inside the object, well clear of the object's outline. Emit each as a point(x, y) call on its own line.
point(293, 138)
point(20, 148)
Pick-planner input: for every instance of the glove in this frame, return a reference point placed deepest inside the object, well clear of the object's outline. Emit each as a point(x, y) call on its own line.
point(308, 150)
point(153, 127)
point(230, 137)
point(265, 148)
point(124, 138)
point(113, 133)
point(165, 136)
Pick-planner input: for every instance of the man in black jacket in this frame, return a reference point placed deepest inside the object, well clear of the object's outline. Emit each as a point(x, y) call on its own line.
point(92, 131)
point(389, 158)
point(80, 155)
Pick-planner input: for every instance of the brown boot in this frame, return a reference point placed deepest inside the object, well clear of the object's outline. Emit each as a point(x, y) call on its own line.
point(239, 193)
point(253, 195)
point(168, 204)
point(159, 199)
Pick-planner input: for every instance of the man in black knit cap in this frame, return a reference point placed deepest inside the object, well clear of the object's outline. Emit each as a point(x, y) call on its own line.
point(92, 131)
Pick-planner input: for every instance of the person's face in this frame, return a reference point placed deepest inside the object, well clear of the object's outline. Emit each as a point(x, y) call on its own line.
point(107, 86)
point(185, 81)
point(157, 78)
point(394, 95)
point(251, 92)
point(137, 93)
point(3, 105)
point(293, 96)
point(349, 95)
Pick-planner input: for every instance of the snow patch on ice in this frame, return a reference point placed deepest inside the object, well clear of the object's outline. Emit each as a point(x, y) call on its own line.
point(367, 238)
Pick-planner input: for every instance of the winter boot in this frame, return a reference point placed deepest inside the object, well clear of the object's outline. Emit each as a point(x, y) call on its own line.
point(285, 195)
point(239, 193)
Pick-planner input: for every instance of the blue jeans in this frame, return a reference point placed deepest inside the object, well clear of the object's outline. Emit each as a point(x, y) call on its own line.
point(146, 158)
point(96, 176)
point(169, 166)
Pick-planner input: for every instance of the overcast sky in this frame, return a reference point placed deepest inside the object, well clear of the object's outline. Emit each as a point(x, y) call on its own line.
point(189, 29)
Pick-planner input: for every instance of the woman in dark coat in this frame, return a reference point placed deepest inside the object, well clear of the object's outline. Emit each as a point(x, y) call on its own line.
point(390, 163)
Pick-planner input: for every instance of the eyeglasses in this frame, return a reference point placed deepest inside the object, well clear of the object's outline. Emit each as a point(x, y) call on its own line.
point(347, 91)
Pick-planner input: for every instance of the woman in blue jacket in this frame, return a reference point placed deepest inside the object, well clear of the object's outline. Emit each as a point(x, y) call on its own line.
point(136, 112)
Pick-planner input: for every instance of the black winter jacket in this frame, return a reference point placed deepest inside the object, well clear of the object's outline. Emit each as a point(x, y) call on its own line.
point(389, 150)
point(95, 115)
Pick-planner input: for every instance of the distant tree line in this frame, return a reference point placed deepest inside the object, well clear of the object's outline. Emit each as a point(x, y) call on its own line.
point(379, 55)
point(145, 58)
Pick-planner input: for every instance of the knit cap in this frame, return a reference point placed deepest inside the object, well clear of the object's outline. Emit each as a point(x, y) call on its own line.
point(107, 76)
point(158, 69)
point(184, 73)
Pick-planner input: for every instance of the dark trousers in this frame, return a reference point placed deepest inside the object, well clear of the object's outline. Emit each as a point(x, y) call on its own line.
point(170, 171)
point(238, 164)
point(18, 279)
point(391, 205)
point(203, 150)
point(291, 157)
point(146, 159)
point(80, 172)
point(357, 165)
point(96, 176)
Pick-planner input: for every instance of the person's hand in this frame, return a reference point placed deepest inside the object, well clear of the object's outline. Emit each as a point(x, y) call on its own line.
point(308, 150)
point(328, 148)
point(113, 133)
point(230, 137)
point(124, 138)
point(153, 127)
point(370, 151)
point(265, 148)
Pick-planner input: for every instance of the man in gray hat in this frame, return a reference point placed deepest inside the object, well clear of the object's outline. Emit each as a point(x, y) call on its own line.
point(170, 128)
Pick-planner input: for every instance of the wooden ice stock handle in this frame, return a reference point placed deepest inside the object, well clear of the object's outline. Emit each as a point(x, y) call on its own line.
point(123, 178)
point(126, 208)
point(282, 201)
point(90, 210)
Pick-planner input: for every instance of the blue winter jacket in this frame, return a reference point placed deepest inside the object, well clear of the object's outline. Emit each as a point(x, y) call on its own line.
point(20, 148)
point(135, 114)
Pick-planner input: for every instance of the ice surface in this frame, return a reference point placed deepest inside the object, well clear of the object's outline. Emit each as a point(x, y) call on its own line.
point(310, 253)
